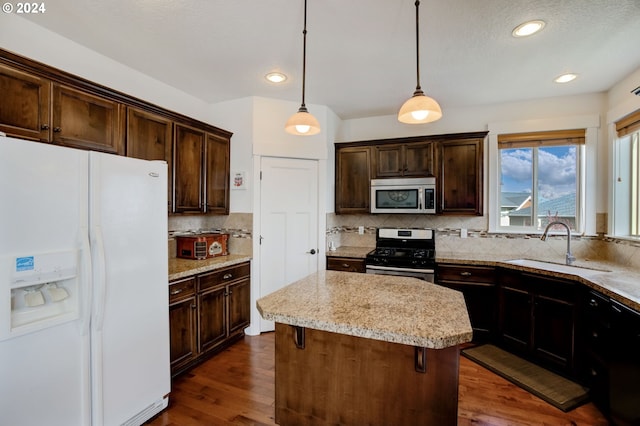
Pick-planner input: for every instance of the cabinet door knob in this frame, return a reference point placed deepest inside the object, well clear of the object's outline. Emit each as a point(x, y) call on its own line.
point(44, 127)
point(465, 274)
point(345, 265)
point(227, 276)
point(57, 129)
point(177, 291)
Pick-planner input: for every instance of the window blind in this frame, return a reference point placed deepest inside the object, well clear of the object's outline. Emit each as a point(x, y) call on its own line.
point(628, 124)
point(538, 139)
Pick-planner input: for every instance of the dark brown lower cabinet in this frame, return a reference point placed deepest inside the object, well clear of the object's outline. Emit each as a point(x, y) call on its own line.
point(538, 319)
point(611, 367)
point(183, 323)
point(212, 317)
point(515, 316)
point(478, 284)
point(346, 264)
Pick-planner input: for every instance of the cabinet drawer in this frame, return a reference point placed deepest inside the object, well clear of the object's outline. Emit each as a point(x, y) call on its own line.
point(551, 287)
point(463, 273)
point(347, 264)
point(223, 276)
point(181, 289)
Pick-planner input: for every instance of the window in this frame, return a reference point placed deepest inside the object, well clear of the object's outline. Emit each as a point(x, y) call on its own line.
point(539, 176)
point(626, 192)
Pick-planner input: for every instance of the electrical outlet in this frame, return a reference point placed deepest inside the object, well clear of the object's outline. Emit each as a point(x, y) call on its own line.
point(361, 230)
point(463, 232)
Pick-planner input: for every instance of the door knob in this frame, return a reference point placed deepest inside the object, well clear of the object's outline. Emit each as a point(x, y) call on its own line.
point(312, 251)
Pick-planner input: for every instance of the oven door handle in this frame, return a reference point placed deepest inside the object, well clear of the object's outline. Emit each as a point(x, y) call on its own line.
point(396, 269)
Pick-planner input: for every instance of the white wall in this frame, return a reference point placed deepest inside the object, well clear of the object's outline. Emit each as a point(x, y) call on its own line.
point(471, 119)
point(621, 101)
point(258, 126)
point(270, 139)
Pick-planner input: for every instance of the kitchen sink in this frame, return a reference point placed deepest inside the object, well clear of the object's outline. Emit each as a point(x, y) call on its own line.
point(554, 266)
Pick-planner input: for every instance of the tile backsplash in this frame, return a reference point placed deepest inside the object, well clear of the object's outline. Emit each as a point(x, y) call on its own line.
point(343, 230)
point(239, 226)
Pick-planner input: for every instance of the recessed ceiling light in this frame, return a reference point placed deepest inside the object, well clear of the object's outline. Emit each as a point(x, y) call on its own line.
point(565, 78)
point(528, 28)
point(275, 77)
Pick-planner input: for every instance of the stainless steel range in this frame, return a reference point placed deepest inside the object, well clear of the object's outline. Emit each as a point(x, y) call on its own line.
point(409, 252)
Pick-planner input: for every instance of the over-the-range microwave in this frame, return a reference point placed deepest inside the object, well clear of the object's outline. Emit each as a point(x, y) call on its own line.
point(403, 195)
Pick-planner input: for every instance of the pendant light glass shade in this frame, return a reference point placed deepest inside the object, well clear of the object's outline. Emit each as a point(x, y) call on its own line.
point(419, 108)
point(302, 123)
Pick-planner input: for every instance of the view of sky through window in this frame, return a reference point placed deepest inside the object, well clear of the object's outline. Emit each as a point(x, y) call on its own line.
point(554, 172)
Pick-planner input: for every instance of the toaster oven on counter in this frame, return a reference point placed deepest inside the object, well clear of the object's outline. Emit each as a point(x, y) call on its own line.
point(202, 246)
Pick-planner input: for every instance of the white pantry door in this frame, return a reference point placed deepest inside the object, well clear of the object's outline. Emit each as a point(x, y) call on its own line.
point(288, 223)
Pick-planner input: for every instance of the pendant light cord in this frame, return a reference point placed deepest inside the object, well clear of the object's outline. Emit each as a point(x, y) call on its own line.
point(304, 56)
point(418, 88)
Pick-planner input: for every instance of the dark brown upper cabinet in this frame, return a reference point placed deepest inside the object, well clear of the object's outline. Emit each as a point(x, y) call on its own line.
point(353, 179)
point(25, 105)
point(44, 104)
point(150, 137)
point(403, 160)
point(188, 152)
point(456, 160)
point(460, 176)
point(35, 108)
point(216, 179)
point(82, 120)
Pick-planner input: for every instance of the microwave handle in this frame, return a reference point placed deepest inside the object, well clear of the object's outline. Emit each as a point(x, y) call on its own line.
point(420, 199)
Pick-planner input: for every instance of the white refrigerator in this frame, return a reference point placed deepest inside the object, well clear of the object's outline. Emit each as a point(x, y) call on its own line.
point(84, 317)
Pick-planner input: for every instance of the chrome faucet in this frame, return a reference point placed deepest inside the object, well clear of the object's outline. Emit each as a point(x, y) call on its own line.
point(569, 257)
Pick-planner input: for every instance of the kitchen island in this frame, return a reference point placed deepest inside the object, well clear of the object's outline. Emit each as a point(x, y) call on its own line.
point(366, 349)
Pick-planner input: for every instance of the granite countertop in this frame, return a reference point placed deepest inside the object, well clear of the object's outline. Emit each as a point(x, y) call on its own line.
point(182, 268)
point(619, 283)
point(380, 307)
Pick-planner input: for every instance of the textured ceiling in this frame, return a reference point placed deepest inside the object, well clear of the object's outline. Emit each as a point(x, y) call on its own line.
point(361, 53)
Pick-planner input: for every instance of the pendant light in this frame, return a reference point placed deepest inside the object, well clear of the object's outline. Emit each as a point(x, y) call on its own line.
point(302, 123)
point(419, 108)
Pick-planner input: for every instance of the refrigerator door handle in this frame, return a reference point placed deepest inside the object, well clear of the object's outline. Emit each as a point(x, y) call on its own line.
point(85, 284)
point(100, 281)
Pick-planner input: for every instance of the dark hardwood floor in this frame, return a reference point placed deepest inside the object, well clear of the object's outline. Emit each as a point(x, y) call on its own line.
point(236, 387)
